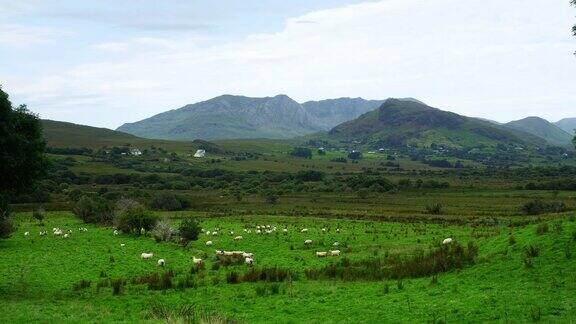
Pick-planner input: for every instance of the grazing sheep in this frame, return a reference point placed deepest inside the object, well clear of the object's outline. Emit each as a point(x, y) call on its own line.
point(238, 253)
point(447, 241)
point(337, 230)
point(324, 230)
point(258, 231)
point(219, 252)
point(66, 235)
point(214, 233)
point(238, 238)
point(208, 243)
point(335, 253)
point(116, 232)
point(285, 230)
point(249, 261)
point(196, 260)
point(304, 230)
point(228, 253)
point(208, 232)
point(335, 244)
point(146, 256)
point(231, 232)
point(321, 254)
point(58, 232)
point(142, 231)
point(26, 233)
point(43, 233)
point(308, 242)
point(161, 262)
point(122, 245)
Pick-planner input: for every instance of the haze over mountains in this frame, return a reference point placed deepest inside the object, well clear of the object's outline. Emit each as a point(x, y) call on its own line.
point(543, 129)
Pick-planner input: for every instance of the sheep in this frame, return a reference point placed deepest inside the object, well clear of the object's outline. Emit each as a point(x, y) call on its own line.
point(231, 232)
point(324, 230)
point(258, 231)
point(248, 255)
point(58, 232)
point(285, 230)
point(304, 230)
point(337, 230)
point(335, 253)
point(447, 241)
point(214, 233)
point(228, 253)
point(335, 244)
point(146, 256)
point(249, 261)
point(238, 253)
point(66, 235)
point(321, 254)
point(238, 238)
point(122, 245)
point(161, 262)
point(208, 243)
point(116, 232)
point(142, 231)
point(308, 242)
point(208, 232)
point(26, 233)
point(196, 260)
point(219, 252)
point(43, 233)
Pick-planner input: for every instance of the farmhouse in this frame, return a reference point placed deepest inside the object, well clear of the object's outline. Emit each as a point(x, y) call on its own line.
point(200, 153)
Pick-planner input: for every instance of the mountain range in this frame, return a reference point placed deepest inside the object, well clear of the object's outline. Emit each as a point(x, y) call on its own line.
point(399, 123)
point(404, 120)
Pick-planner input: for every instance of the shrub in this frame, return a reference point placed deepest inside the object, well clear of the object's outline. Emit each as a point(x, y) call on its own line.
point(302, 152)
point(94, 210)
point(542, 229)
point(434, 209)
point(537, 207)
point(163, 231)
point(39, 215)
point(189, 230)
point(169, 202)
point(130, 218)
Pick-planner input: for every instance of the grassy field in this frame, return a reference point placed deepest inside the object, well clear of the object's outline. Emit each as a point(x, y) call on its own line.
point(504, 283)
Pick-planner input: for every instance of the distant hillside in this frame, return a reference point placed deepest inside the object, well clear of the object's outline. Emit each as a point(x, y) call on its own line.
point(68, 135)
point(229, 117)
point(543, 129)
point(331, 112)
point(567, 124)
point(400, 122)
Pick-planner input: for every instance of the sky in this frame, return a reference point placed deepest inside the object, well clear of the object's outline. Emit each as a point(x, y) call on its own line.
point(107, 62)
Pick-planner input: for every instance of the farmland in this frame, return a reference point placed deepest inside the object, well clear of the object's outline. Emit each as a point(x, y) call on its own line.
point(39, 273)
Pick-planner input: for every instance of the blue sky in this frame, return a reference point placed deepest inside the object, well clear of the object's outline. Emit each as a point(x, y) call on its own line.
point(104, 63)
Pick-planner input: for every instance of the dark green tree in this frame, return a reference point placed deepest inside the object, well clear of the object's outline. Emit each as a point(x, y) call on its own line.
point(22, 159)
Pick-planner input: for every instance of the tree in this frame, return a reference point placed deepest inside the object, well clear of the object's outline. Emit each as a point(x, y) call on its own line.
point(22, 158)
point(302, 152)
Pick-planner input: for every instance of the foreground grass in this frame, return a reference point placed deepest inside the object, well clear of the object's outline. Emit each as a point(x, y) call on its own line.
point(37, 274)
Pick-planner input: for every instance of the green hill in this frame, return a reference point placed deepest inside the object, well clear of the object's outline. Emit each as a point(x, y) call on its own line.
point(399, 122)
point(543, 129)
point(68, 135)
point(567, 124)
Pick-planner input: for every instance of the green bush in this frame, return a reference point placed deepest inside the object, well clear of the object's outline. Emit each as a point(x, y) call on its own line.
point(169, 202)
point(537, 207)
point(94, 210)
point(132, 217)
point(189, 230)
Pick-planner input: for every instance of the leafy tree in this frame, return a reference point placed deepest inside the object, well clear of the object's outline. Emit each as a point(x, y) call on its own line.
point(22, 159)
point(302, 152)
point(355, 155)
point(189, 230)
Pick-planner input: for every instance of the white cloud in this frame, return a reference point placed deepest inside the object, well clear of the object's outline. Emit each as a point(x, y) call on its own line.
point(17, 35)
point(491, 58)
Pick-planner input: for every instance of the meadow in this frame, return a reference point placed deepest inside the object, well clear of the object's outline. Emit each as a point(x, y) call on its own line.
point(520, 273)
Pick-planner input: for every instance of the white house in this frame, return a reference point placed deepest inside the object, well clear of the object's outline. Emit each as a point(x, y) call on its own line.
point(135, 152)
point(200, 154)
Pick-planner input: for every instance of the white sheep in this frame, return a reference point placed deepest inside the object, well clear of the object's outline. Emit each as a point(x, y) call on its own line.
point(161, 262)
point(196, 260)
point(43, 233)
point(258, 231)
point(208, 243)
point(214, 233)
point(335, 253)
point(304, 230)
point(335, 244)
point(228, 253)
point(308, 242)
point(238, 238)
point(26, 233)
point(324, 230)
point(249, 261)
point(142, 231)
point(219, 252)
point(66, 235)
point(146, 256)
point(116, 232)
point(231, 232)
point(321, 254)
point(208, 232)
point(285, 230)
point(58, 232)
point(122, 245)
point(447, 241)
point(248, 255)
